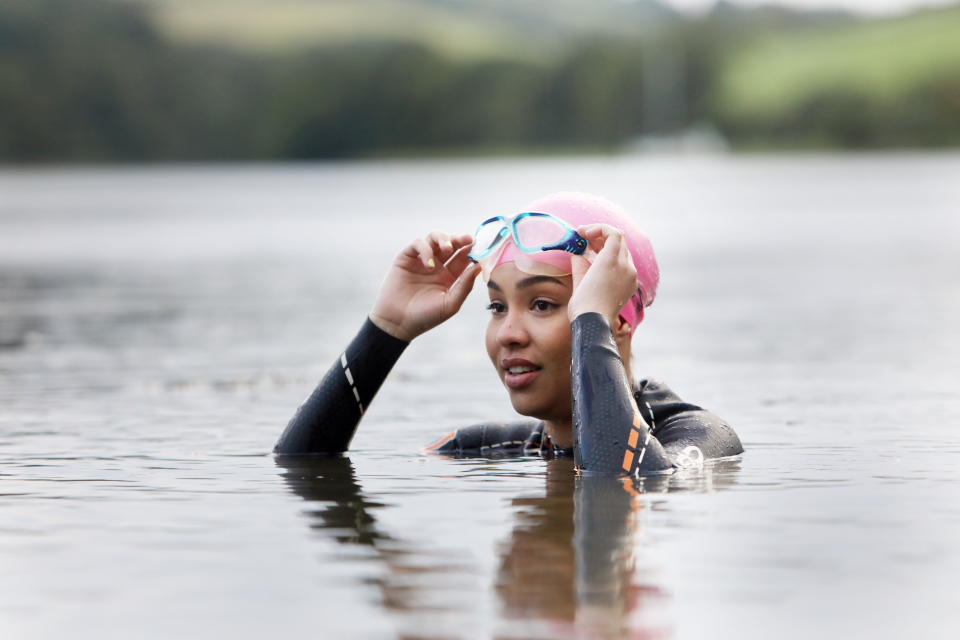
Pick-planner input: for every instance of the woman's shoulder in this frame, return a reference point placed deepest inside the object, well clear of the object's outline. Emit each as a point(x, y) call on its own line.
point(659, 400)
point(679, 424)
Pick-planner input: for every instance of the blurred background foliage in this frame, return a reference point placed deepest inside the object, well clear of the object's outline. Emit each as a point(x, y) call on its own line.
point(108, 80)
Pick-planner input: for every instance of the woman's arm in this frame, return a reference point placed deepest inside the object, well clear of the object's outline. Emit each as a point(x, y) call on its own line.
point(426, 284)
point(610, 437)
point(326, 421)
point(489, 438)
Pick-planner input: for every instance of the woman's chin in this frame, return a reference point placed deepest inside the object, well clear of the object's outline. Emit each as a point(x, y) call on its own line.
point(532, 401)
point(526, 406)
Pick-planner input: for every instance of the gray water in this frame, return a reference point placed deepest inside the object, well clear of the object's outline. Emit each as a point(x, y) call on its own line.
point(158, 326)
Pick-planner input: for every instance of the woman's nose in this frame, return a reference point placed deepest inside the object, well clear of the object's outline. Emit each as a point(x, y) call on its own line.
point(512, 330)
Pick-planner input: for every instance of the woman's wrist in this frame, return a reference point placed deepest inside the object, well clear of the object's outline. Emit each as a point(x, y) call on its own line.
point(391, 328)
point(574, 312)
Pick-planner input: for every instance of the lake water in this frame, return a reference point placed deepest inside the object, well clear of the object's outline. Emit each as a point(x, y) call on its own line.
point(159, 325)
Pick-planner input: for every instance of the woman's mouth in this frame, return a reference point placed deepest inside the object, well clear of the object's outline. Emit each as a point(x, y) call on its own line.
point(519, 373)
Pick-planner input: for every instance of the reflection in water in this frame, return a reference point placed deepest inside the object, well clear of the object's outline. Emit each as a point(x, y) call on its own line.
point(410, 578)
point(332, 481)
point(567, 569)
point(345, 514)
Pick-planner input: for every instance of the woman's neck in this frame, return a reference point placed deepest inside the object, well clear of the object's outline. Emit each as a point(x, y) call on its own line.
point(560, 432)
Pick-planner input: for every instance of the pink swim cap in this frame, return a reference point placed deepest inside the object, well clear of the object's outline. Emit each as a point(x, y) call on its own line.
point(583, 208)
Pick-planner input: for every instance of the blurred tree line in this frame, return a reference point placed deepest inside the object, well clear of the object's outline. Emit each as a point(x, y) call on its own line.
point(94, 80)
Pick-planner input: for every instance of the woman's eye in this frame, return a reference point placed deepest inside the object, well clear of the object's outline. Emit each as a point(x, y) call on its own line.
point(496, 307)
point(543, 305)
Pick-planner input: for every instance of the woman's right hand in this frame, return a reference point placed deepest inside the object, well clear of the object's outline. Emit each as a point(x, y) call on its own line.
point(426, 285)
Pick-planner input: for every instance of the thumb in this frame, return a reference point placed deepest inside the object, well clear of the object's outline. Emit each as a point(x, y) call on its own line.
point(578, 266)
point(462, 287)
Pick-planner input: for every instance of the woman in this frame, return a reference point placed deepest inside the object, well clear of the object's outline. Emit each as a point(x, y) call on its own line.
point(568, 285)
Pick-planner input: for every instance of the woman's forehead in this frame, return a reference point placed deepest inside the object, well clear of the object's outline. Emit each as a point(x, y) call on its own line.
point(508, 278)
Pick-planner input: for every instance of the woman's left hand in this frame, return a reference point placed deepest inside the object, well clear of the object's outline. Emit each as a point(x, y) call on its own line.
point(608, 284)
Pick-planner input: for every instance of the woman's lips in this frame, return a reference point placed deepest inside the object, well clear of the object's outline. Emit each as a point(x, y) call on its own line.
point(519, 373)
point(519, 380)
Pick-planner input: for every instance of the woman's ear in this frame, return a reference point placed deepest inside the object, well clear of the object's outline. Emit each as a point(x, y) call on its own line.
point(622, 330)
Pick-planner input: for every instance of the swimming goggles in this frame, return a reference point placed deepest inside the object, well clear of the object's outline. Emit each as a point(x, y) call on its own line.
point(532, 233)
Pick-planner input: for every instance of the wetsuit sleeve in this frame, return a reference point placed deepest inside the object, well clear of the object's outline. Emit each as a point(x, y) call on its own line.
point(679, 425)
point(610, 437)
point(327, 420)
point(487, 439)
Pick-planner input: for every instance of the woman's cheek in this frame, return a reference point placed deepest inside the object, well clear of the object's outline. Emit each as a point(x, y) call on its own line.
point(560, 339)
point(490, 342)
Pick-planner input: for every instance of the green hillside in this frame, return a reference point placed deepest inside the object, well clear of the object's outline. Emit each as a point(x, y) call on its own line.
point(243, 79)
point(460, 29)
point(880, 61)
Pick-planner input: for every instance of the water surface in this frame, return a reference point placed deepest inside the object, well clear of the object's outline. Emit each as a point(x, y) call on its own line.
point(158, 326)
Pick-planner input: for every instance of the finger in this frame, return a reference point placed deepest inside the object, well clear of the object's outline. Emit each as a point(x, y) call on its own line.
point(424, 251)
point(625, 256)
point(437, 244)
point(409, 255)
point(458, 262)
point(578, 266)
point(591, 233)
point(462, 240)
point(442, 245)
point(609, 253)
point(596, 230)
point(598, 234)
point(626, 259)
point(461, 288)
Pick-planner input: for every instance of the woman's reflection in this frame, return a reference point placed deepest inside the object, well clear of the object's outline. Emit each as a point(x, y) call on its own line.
point(568, 567)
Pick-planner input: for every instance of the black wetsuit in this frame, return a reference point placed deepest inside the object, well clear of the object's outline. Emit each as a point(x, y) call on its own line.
point(617, 428)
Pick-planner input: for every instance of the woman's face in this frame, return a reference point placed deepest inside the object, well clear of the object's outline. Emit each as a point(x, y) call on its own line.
point(528, 341)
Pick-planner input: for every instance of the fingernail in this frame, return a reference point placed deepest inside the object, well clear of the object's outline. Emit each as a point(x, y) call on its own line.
point(431, 263)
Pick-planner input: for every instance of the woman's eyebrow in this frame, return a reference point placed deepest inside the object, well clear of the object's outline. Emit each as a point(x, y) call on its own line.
point(532, 280)
point(493, 285)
